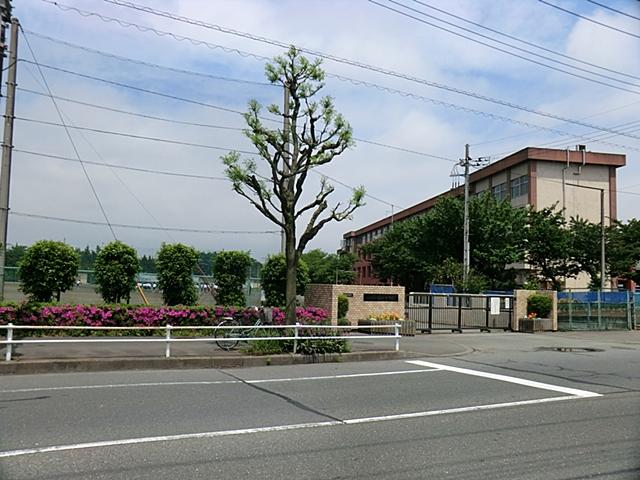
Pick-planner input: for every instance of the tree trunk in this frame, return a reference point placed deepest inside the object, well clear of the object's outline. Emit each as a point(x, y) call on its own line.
point(292, 273)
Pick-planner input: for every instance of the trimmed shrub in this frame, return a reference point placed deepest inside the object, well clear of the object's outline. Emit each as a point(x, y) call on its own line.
point(539, 305)
point(116, 267)
point(274, 280)
point(47, 269)
point(231, 270)
point(343, 306)
point(175, 265)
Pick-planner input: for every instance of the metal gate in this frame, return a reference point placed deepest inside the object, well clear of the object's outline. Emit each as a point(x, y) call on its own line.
point(459, 311)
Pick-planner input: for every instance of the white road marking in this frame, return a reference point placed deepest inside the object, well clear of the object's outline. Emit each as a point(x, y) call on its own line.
point(505, 378)
point(573, 394)
point(218, 382)
point(278, 428)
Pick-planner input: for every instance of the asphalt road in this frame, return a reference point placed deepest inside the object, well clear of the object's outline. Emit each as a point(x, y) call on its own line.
point(512, 408)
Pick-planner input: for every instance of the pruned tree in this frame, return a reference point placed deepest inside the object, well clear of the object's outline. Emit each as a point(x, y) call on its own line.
point(313, 134)
point(116, 267)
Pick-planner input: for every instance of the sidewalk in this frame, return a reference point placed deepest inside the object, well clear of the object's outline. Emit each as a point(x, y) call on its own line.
point(64, 357)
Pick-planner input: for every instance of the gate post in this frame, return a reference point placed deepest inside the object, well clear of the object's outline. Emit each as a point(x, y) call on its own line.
point(430, 320)
point(487, 310)
point(459, 329)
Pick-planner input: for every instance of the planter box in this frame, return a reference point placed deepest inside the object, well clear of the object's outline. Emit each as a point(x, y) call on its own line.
point(533, 325)
point(407, 327)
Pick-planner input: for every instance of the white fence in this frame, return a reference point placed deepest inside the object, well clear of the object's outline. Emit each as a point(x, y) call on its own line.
point(168, 339)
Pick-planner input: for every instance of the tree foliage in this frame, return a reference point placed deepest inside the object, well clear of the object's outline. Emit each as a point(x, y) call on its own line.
point(315, 135)
point(231, 270)
point(116, 266)
point(548, 246)
point(274, 279)
point(175, 264)
point(623, 250)
point(47, 269)
point(429, 247)
point(329, 267)
point(586, 248)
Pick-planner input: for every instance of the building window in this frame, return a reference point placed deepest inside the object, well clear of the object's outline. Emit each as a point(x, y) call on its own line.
point(520, 186)
point(499, 191)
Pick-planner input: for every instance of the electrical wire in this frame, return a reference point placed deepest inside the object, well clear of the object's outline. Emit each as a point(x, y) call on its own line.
point(614, 10)
point(525, 42)
point(354, 63)
point(602, 24)
point(122, 167)
point(131, 135)
point(143, 227)
point(408, 15)
point(360, 82)
point(73, 145)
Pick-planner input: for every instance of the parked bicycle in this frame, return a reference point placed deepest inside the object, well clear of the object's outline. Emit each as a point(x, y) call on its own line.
point(222, 334)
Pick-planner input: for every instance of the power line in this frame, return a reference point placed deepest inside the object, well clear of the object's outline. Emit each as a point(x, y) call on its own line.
point(602, 24)
point(525, 42)
point(614, 10)
point(143, 227)
point(73, 145)
point(150, 64)
point(138, 137)
point(400, 12)
point(305, 50)
point(122, 167)
point(356, 82)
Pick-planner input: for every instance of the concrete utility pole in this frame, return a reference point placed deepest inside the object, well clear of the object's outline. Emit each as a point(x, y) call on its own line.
point(7, 147)
point(466, 259)
point(286, 127)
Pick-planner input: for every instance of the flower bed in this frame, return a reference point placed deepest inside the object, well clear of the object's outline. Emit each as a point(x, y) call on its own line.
point(141, 316)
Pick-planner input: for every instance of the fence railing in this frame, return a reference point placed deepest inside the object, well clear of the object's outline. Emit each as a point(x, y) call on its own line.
point(168, 339)
point(596, 310)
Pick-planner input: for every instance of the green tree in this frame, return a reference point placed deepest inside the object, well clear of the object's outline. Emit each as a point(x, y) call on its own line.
point(116, 266)
point(314, 136)
point(414, 251)
point(47, 269)
point(274, 279)
point(14, 255)
point(329, 267)
point(231, 271)
point(548, 246)
point(147, 264)
point(450, 272)
point(88, 257)
point(175, 264)
point(586, 248)
point(206, 261)
point(623, 250)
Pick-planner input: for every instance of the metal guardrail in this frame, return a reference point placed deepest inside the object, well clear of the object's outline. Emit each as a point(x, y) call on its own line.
point(168, 339)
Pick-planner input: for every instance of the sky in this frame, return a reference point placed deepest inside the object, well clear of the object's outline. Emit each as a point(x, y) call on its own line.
point(427, 126)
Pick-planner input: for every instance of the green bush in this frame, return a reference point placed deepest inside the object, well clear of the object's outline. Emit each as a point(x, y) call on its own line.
point(539, 305)
point(47, 268)
point(231, 270)
point(274, 279)
point(175, 265)
point(116, 267)
point(343, 306)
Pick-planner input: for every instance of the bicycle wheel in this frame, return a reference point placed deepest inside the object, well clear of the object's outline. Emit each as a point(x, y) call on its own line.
point(221, 334)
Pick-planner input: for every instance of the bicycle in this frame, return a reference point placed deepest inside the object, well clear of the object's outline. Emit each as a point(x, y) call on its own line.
point(221, 334)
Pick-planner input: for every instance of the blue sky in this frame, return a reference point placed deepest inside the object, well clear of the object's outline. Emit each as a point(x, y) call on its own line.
point(353, 29)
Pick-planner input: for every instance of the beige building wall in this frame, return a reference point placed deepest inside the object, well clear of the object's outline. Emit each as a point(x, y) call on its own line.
point(578, 201)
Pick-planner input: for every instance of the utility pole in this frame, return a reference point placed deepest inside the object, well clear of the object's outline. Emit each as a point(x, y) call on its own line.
point(286, 128)
point(467, 162)
point(7, 147)
point(466, 259)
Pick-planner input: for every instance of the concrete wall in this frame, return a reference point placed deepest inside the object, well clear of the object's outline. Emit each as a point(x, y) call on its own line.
point(326, 296)
point(520, 306)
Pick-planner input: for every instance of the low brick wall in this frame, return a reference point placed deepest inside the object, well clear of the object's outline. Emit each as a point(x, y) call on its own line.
point(520, 311)
point(364, 300)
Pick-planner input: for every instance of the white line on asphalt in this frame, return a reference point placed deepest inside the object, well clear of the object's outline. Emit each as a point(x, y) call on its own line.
point(218, 382)
point(279, 428)
point(505, 378)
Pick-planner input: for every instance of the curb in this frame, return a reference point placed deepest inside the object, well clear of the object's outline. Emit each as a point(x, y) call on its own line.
point(25, 367)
